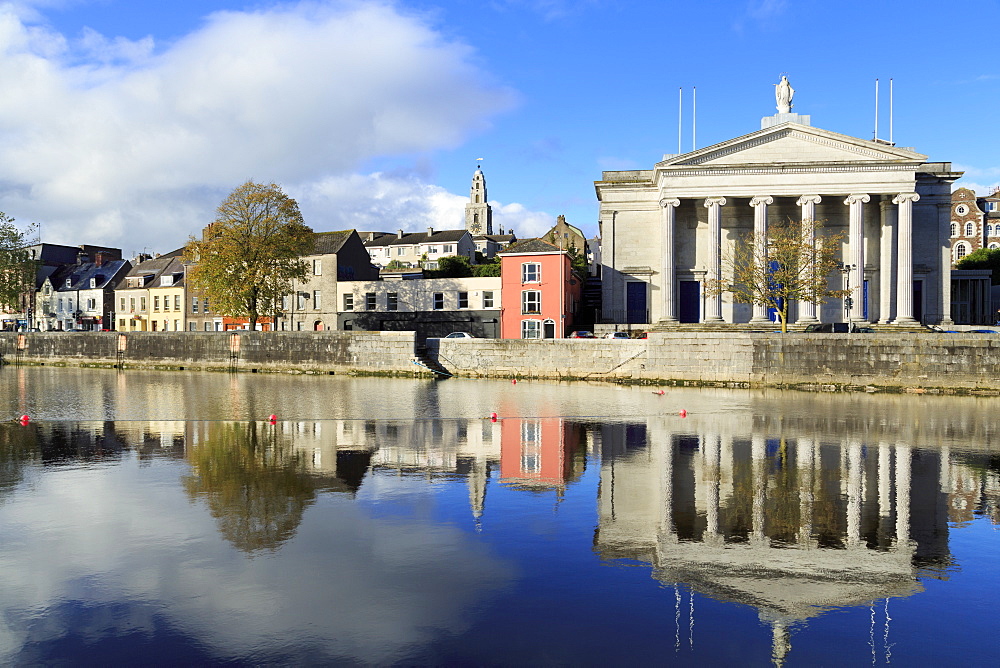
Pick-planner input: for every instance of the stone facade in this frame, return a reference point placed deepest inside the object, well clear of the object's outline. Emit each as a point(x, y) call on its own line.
point(667, 230)
point(975, 223)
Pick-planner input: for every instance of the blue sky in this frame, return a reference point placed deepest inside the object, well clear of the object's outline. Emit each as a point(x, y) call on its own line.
point(125, 122)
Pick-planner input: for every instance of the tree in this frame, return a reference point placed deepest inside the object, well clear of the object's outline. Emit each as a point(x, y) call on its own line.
point(248, 257)
point(453, 266)
point(793, 263)
point(17, 266)
point(983, 258)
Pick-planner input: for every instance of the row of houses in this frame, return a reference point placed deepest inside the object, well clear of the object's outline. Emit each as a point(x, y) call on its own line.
point(537, 295)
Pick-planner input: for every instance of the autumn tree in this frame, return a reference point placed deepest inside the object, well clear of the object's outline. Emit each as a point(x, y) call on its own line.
point(17, 266)
point(983, 258)
point(793, 262)
point(249, 255)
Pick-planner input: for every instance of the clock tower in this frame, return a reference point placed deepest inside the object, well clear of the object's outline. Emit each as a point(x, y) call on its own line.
point(478, 213)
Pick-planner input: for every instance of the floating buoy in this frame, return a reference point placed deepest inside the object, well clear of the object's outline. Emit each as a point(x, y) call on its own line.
point(273, 418)
point(25, 419)
point(493, 417)
point(659, 392)
point(513, 381)
point(683, 413)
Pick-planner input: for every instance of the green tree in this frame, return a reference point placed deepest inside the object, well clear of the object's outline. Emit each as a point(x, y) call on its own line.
point(983, 258)
point(488, 268)
point(17, 267)
point(248, 257)
point(793, 263)
point(453, 266)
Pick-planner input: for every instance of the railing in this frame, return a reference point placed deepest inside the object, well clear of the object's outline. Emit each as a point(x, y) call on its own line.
point(625, 316)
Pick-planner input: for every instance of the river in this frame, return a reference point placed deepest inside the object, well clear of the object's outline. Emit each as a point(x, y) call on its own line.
point(163, 518)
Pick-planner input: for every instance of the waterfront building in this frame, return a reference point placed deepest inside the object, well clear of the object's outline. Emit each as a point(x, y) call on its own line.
point(418, 249)
point(975, 222)
point(312, 304)
point(541, 292)
point(168, 298)
point(429, 306)
point(133, 305)
point(81, 295)
point(667, 230)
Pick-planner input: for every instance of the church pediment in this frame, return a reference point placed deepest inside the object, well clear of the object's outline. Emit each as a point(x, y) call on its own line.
point(791, 144)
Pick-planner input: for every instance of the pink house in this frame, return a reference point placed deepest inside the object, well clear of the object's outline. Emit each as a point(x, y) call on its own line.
point(540, 292)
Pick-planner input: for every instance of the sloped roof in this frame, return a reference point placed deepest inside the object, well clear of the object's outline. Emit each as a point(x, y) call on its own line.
point(415, 238)
point(158, 265)
point(531, 246)
point(80, 275)
point(330, 242)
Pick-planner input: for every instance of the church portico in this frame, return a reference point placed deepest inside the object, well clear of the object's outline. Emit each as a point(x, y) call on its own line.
point(682, 219)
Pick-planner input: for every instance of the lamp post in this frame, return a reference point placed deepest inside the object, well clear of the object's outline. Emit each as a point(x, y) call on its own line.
point(848, 300)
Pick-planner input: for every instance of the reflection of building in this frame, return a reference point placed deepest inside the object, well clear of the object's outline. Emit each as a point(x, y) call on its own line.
point(791, 527)
point(540, 453)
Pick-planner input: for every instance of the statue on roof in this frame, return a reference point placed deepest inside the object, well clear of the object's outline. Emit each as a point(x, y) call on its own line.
point(783, 93)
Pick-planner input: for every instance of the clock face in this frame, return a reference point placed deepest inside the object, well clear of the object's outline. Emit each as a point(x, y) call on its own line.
point(475, 228)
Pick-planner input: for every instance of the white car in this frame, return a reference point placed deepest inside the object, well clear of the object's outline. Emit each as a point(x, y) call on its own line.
point(617, 335)
point(460, 335)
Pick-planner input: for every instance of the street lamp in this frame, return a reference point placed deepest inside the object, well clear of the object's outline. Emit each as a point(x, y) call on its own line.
point(848, 300)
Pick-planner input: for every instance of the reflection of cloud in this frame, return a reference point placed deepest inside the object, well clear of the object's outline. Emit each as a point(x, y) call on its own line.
point(125, 539)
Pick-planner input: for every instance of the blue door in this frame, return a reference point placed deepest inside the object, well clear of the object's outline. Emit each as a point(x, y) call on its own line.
point(689, 301)
point(635, 303)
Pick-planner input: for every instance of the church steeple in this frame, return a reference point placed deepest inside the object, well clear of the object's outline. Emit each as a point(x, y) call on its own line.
point(478, 213)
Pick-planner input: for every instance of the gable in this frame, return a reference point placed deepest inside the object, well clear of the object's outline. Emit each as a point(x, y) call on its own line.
point(793, 144)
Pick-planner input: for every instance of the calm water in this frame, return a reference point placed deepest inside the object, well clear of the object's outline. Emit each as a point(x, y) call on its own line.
point(157, 518)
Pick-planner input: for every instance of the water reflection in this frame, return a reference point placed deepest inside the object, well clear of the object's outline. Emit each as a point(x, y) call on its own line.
point(787, 513)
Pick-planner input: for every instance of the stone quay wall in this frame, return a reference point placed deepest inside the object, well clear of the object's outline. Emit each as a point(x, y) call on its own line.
point(826, 361)
point(321, 352)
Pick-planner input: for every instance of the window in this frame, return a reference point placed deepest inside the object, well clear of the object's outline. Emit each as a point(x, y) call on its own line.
point(369, 301)
point(954, 229)
point(142, 304)
point(989, 230)
point(400, 251)
point(122, 301)
point(348, 302)
point(449, 248)
point(317, 267)
point(177, 325)
point(69, 304)
point(531, 272)
point(93, 283)
point(177, 302)
point(60, 304)
point(960, 251)
point(391, 301)
point(531, 301)
point(301, 300)
point(204, 305)
point(208, 326)
point(286, 302)
point(438, 301)
point(316, 300)
point(193, 326)
point(156, 303)
point(91, 304)
point(194, 305)
point(166, 281)
point(121, 323)
point(968, 229)
point(132, 305)
point(488, 299)
point(531, 329)
point(463, 300)
point(432, 250)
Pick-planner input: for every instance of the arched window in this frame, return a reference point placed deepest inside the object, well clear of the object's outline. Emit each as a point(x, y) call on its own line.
point(954, 229)
point(960, 251)
point(989, 230)
point(994, 246)
point(968, 229)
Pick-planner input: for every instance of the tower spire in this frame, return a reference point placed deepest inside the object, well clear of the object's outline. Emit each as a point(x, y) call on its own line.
point(478, 212)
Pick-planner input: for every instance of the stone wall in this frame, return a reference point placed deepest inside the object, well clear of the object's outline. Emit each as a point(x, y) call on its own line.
point(371, 352)
point(962, 361)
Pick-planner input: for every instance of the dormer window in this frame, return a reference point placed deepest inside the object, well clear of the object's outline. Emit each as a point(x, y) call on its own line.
point(69, 282)
point(93, 283)
point(166, 280)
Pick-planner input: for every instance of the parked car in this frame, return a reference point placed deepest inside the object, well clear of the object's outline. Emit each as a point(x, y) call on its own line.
point(617, 336)
point(581, 334)
point(460, 335)
point(837, 328)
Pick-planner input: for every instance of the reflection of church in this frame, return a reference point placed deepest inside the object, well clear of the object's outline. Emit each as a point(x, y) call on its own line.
point(792, 527)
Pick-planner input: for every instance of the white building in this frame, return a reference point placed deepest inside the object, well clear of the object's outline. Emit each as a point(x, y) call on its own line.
point(665, 230)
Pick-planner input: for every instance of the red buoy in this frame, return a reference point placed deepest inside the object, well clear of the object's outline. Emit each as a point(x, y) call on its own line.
point(683, 413)
point(273, 418)
point(493, 417)
point(513, 381)
point(25, 419)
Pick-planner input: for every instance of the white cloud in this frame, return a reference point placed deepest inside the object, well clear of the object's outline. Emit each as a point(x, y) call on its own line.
point(982, 180)
point(106, 140)
point(525, 223)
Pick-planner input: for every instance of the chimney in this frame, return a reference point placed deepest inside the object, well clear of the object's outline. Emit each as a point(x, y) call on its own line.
point(399, 234)
point(430, 231)
point(98, 259)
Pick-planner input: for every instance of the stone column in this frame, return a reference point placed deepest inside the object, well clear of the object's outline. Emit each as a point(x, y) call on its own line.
point(904, 262)
point(944, 214)
point(713, 303)
point(807, 309)
point(668, 281)
point(887, 262)
point(856, 252)
point(759, 204)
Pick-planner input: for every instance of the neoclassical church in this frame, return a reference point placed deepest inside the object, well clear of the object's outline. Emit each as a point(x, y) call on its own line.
point(665, 231)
